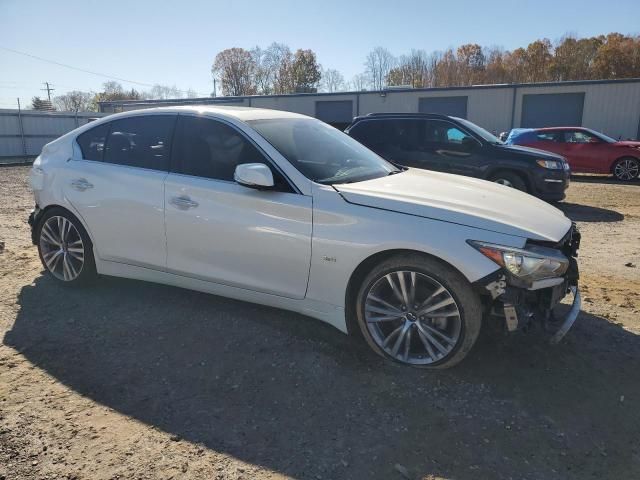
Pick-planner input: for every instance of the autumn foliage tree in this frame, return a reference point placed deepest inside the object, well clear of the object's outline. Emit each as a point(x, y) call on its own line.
point(236, 68)
point(603, 57)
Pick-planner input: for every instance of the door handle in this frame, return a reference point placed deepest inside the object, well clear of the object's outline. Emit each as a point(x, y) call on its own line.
point(81, 184)
point(183, 202)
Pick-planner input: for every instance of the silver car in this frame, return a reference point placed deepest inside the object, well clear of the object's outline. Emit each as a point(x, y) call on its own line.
point(283, 210)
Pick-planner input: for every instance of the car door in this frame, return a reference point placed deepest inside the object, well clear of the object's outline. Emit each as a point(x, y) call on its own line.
point(223, 232)
point(451, 149)
point(117, 186)
point(549, 140)
point(585, 152)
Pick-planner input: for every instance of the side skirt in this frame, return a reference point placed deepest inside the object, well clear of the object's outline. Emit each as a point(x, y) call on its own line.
point(325, 312)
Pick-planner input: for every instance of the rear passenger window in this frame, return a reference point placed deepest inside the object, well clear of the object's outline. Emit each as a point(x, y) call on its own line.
point(92, 142)
point(141, 141)
point(211, 149)
point(547, 136)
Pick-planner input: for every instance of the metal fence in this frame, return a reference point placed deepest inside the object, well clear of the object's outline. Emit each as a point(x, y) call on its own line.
point(24, 133)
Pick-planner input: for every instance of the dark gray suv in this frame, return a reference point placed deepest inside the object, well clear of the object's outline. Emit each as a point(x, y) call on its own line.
point(455, 145)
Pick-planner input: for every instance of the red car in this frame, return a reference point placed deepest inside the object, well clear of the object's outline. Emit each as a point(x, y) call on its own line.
point(586, 150)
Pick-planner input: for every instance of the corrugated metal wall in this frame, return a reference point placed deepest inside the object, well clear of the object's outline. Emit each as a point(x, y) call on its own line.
point(612, 107)
point(24, 133)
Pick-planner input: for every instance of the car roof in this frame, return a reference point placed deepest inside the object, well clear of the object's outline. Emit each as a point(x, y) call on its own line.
point(237, 113)
point(393, 115)
point(550, 129)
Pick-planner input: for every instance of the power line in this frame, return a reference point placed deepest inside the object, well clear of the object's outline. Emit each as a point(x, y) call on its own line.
point(75, 68)
point(112, 77)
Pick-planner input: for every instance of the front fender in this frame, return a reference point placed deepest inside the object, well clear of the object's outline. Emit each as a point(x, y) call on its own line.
point(345, 235)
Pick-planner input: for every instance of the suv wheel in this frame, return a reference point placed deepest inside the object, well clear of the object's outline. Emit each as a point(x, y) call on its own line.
point(626, 169)
point(64, 247)
point(509, 179)
point(418, 311)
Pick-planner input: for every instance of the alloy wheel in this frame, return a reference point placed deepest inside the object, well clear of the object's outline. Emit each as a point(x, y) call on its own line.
point(504, 181)
point(627, 169)
point(61, 248)
point(412, 317)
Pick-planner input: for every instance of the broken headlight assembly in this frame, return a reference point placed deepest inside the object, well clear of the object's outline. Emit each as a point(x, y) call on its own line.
point(528, 264)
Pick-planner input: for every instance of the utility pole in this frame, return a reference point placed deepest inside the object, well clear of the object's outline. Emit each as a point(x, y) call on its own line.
point(24, 143)
point(48, 90)
point(214, 87)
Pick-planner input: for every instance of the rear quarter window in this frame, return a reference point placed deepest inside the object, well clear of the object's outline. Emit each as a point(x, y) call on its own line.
point(92, 142)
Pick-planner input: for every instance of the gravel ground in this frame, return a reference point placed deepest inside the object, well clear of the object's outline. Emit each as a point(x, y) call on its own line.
point(132, 380)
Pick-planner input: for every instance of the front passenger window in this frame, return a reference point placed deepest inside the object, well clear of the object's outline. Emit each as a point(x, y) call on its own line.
point(211, 149)
point(444, 136)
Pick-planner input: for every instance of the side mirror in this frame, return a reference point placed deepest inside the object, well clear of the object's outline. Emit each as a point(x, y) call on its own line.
point(254, 175)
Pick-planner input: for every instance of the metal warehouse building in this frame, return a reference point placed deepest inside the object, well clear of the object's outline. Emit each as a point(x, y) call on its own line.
point(610, 106)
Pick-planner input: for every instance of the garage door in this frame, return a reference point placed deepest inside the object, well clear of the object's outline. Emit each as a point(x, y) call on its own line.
point(338, 113)
point(552, 110)
point(454, 106)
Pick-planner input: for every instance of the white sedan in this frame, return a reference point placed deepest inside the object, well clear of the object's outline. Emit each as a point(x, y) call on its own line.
point(283, 210)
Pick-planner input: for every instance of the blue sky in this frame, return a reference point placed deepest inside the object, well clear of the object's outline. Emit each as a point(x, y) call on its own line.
point(174, 42)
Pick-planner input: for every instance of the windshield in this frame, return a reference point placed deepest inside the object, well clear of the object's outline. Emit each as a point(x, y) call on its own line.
point(601, 136)
point(487, 136)
point(320, 152)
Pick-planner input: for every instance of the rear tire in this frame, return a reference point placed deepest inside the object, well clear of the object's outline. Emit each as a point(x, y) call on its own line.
point(510, 179)
point(64, 248)
point(418, 311)
point(626, 169)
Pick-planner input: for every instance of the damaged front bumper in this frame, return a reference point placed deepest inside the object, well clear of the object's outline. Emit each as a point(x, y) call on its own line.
point(518, 305)
point(571, 317)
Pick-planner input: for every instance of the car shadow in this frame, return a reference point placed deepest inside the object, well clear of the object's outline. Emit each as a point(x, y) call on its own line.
point(587, 213)
point(283, 391)
point(605, 179)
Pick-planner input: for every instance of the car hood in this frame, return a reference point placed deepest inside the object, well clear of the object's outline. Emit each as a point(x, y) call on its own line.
point(463, 200)
point(529, 152)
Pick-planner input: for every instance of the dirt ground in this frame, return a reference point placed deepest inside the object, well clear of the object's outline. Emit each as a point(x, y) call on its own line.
point(129, 380)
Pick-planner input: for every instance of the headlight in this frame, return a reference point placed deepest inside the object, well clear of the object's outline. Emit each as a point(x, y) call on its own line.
point(550, 164)
point(531, 264)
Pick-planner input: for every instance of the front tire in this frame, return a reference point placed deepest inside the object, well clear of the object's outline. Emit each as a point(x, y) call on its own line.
point(626, 169)
point(64, 247)
point(509, 179)
point(418, 311)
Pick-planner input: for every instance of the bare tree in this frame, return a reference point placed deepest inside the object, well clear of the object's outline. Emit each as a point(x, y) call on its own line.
point(74, 101)
point(359, 82)
point(264, 71)
point(236, 69)
point(332, 80)
point(279, 62)
point(191, 93)
point(162, 92)
point(378, 64)
point(410, 70)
